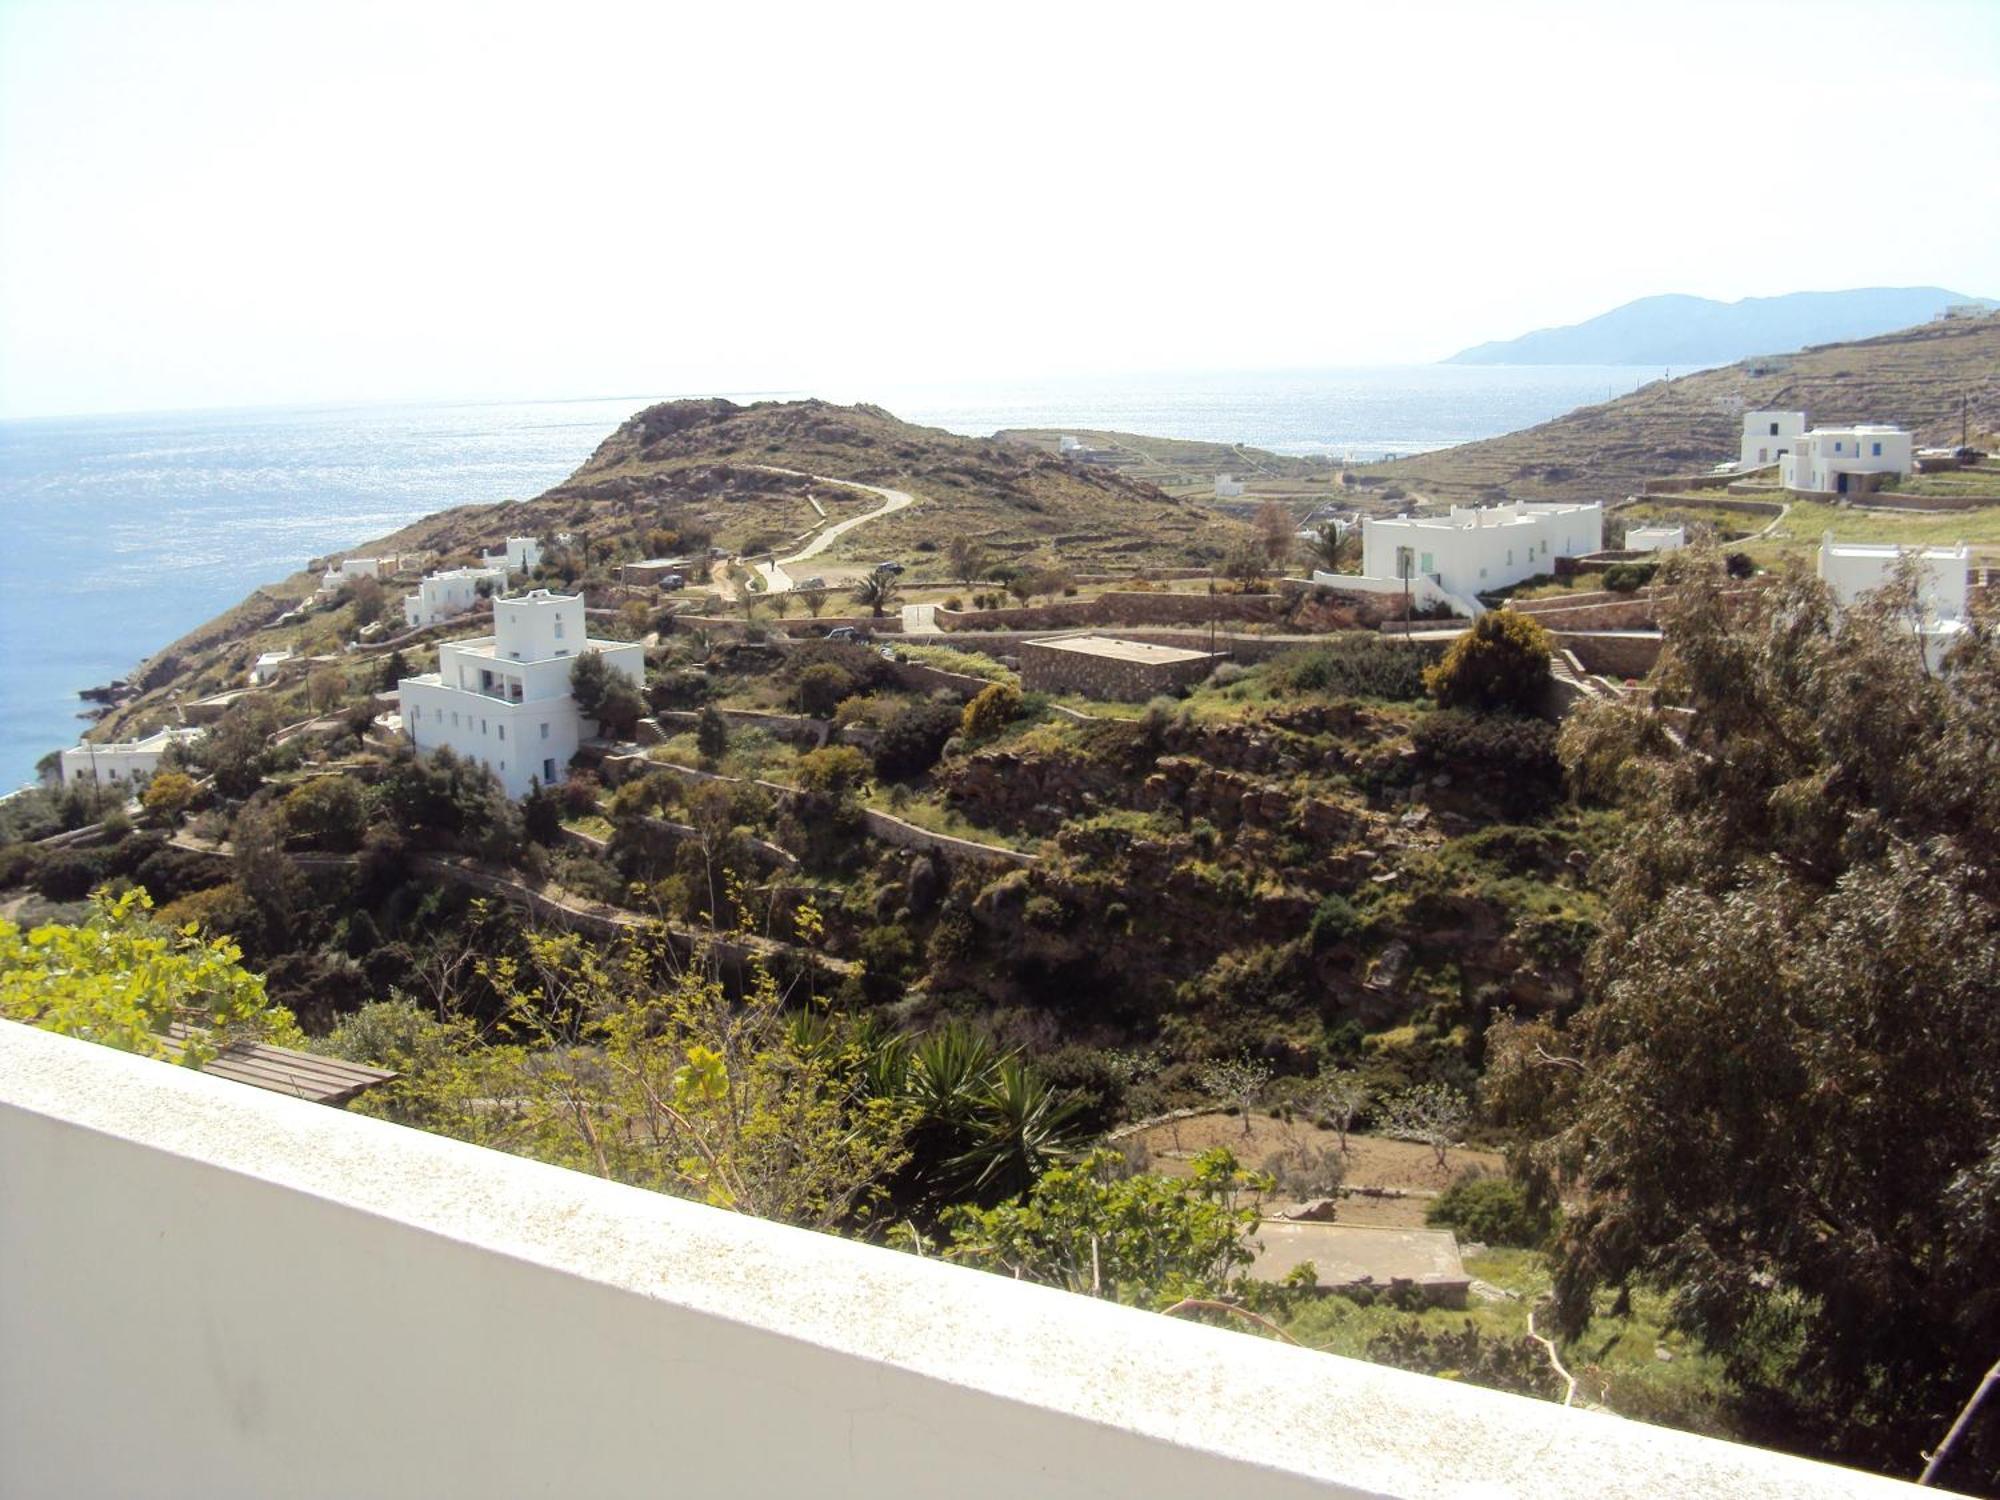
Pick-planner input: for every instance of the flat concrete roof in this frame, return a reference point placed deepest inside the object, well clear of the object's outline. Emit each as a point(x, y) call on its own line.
point(1117, 650)
point(1344, 1254)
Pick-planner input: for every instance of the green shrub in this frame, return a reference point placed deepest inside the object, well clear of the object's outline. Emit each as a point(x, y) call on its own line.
point(711, 735)
point(913, 738)
point(821, 687)
point(990, 712)
point(1514, 757)
point(17, 864)
point(1335, 922)
point(1360, 664)
point(1626, 578)
point(887, 955)
point(1502, 662)
point(1491, 1210)
point(69, 874)
point(329, 812)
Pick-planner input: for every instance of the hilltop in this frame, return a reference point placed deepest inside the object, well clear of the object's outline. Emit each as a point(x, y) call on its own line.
point(696, 460)
point(1681, 330)
point(1915, 377)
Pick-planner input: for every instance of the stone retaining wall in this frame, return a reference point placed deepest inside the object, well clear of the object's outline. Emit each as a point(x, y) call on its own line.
point(880, 825)
point(1595, 611)
point(1121, 609)
point(893, 830)
point(1618, 656)
point(1885, 500)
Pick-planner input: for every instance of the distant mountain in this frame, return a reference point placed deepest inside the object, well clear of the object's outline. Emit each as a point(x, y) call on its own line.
point(1678, 330)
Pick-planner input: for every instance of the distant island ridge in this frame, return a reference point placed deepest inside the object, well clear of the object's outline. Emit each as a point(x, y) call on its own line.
point(1680, 330)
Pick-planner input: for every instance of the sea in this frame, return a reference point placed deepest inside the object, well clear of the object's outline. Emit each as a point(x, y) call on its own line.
point(124, 532)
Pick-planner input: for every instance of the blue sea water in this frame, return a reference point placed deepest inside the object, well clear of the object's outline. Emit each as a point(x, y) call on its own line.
point(124, 532)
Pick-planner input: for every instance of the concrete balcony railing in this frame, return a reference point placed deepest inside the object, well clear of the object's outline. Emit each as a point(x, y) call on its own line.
point(210, 1290)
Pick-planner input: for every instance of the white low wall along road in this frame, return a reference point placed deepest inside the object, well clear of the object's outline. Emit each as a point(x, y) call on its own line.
point(211, 1290)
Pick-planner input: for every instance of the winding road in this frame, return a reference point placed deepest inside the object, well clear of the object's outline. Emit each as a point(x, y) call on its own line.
point(776, 579)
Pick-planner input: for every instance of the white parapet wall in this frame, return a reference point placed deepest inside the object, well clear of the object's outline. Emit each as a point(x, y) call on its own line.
point(210, 1290)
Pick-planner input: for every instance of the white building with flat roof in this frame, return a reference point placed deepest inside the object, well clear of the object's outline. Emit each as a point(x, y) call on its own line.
point(1846, 460)
point(1768, 436)
point(339, 575)
point(267, 666)
point(1227, 487)
point(1655, 538)
point(451, 592)
point(1476, 548)
point(521, 554)
point(123, 763)
point(1853, 570)
point(503, 699)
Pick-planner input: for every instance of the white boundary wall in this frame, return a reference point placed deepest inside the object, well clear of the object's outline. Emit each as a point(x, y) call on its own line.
point(213, 1291)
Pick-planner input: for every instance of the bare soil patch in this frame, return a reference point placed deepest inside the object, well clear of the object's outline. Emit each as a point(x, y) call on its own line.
point(1401, 1167)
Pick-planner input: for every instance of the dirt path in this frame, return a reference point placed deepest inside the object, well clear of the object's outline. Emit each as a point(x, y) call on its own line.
point(776, 578)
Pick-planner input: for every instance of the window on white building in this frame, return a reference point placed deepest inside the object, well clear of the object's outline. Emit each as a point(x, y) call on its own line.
point(1510, 557)
point(545, 729)
point(1878, 451)
point(559, 627)
point(503, 732)
point(548, 773)
point(1774, 429)
point(454, 718)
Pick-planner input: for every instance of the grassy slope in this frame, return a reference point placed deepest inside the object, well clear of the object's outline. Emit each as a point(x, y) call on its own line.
point(1685, 426)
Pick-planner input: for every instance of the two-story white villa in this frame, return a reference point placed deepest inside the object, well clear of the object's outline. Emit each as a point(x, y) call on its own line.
point(503, 699)
point(1452, 559)
point(1844, 460)
point(521, 554)
point(1768, 436)
point(451, 592)
point(1853, 569)
point(124, 763)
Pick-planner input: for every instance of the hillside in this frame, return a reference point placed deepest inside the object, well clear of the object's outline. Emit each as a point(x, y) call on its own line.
point(1915, 377)
point(1681, 330)
point(687, 474)
point(1011, 499)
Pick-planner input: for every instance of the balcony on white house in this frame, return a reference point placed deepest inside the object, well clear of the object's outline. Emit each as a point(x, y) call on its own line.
point(209, 1289)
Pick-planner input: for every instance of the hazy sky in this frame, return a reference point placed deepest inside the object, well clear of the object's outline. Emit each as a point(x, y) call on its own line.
point(218, 204)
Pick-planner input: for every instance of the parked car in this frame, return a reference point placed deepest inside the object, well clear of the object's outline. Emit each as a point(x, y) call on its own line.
point(672, 581)
point(843, 633)
point(888, 567)
point(810, 583)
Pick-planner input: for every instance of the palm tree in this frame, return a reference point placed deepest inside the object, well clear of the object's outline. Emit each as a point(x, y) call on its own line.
point(877, 591)
point(1022, 1126)
point(1325, 546)
point(985, 1124)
